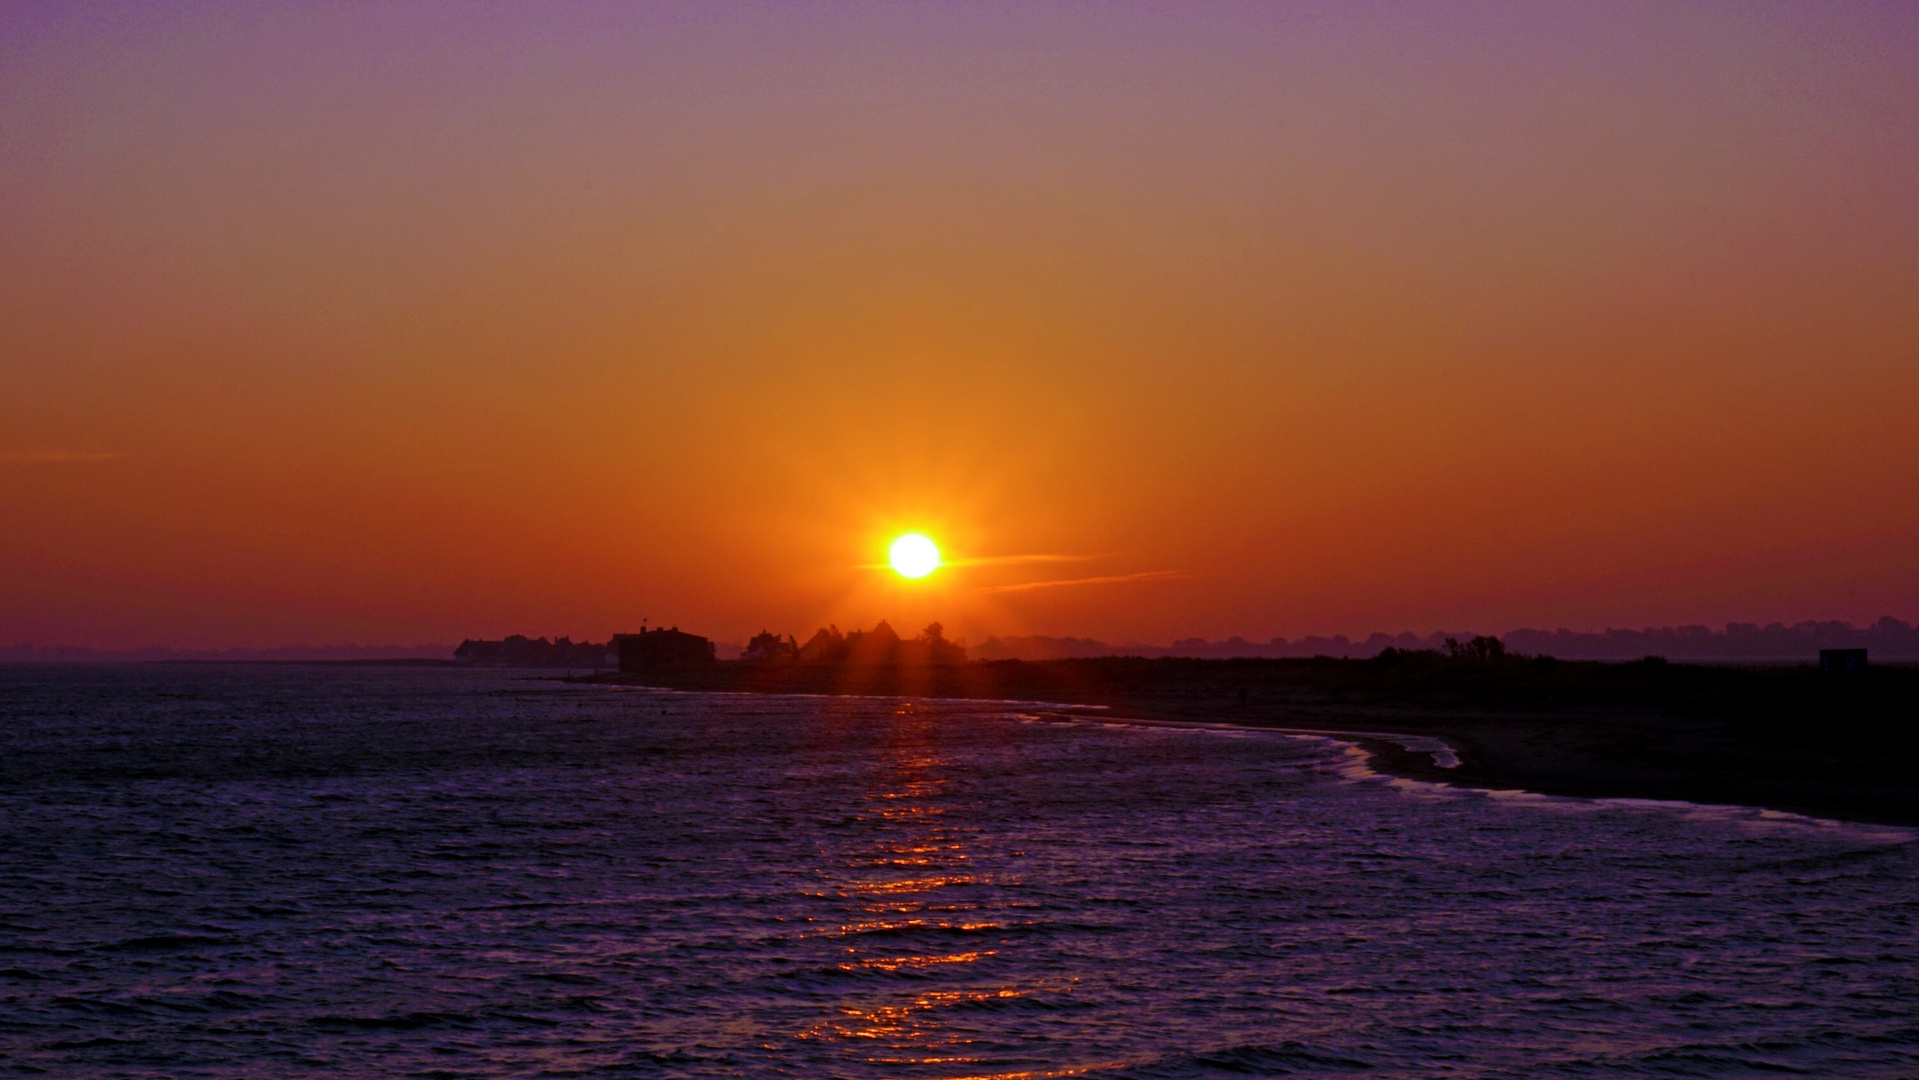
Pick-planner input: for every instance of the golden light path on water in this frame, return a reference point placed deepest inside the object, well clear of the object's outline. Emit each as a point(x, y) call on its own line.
point(904, 885)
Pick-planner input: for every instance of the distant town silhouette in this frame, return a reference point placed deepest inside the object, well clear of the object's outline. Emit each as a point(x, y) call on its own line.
point(1888, 639)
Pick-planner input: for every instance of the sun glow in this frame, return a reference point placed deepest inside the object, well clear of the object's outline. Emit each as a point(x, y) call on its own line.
point(914, 556)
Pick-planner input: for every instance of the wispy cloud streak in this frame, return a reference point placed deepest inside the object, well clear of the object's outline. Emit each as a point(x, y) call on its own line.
point(1150, 575)
point(1020, 560)
point(994, 560)
point(34, 457)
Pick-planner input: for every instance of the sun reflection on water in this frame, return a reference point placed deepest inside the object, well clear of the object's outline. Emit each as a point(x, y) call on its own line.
point(911, 890)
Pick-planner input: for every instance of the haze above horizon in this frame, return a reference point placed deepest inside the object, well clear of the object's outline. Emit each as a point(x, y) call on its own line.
point(430, 322)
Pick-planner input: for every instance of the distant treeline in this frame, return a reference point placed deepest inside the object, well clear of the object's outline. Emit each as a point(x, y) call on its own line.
point(61, 654)
point(1888, 639)
point(880, 645)
point(522, 651)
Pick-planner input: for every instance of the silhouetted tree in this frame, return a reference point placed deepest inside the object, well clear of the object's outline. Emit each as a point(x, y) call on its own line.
point(935, 648)
point(1480, 647)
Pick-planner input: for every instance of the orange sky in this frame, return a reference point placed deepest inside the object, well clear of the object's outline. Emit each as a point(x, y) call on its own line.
point(355, 324)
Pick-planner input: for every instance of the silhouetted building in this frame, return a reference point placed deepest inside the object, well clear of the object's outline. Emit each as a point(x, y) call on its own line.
point(879, 645)
point(653, 650)
point(769, 648)
point(826, 644)
point(1842, 661)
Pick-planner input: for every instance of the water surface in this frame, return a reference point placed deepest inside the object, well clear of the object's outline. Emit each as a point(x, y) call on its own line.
point(287, 871)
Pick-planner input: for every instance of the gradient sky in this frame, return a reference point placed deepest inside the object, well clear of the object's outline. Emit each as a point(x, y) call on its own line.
point(395, 323)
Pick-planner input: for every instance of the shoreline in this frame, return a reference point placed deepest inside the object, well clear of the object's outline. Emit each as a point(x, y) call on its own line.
point(1392, 754)
point(1569, 748)
point(1483, 759)
point(1444, 756)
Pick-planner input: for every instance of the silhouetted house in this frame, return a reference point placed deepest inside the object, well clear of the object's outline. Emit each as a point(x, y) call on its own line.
point(827, 644)
point(1842, 661)
point(653, 650)
point(879, 645)
point(768, 647)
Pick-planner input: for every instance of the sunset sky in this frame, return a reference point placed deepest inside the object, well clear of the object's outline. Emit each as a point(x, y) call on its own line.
point(397, 323)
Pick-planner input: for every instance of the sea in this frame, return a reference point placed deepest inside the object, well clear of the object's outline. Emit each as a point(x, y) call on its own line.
point(278, 871)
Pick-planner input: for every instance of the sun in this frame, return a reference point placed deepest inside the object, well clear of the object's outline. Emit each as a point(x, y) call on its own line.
point(914, 556)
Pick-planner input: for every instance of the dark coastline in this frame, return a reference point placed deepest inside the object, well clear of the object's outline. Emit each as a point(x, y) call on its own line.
point(1779, 737)
point(396, 661)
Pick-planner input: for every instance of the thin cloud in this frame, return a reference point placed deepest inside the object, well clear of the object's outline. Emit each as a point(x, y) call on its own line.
point(35, 457)
point(994, 560)
point(1020, 560)
point(1150, 575)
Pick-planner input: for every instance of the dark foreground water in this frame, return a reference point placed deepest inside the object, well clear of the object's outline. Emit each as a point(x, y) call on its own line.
point(231, 871)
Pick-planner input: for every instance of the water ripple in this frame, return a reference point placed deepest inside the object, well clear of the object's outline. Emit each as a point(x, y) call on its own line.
point(218, 871)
